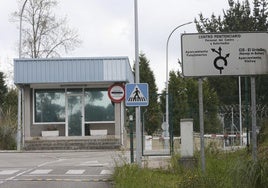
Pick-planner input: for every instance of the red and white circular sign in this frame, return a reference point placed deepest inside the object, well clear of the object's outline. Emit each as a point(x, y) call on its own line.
point(116, 92)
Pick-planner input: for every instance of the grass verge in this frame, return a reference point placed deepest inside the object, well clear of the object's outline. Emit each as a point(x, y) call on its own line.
point(223, 170)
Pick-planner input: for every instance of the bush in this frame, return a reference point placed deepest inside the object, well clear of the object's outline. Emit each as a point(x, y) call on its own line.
point(250, 174)
point(224, 169)
point(8, 130)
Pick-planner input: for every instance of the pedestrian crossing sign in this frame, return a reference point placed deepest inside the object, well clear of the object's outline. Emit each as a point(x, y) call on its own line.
point(137, 94)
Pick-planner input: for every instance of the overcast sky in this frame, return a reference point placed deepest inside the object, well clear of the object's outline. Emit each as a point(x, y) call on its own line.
point(106, 28)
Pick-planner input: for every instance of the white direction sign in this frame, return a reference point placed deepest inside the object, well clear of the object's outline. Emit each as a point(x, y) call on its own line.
point(218, 54)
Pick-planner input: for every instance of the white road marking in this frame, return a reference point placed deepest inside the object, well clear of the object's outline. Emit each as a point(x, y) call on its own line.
point(75, 172)
point(17, 175)
point(31, 169)
point(50, 162)
point(41, 172)
point(8, 172)
point(106, 172)
point(92, 164)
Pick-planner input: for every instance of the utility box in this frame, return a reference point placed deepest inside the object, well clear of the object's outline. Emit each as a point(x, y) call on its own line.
point(148, 142)
point(187, 138)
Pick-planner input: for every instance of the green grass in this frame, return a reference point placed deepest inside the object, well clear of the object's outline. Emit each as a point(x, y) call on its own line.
point(223, 170)
point(133, 176)
point(234, 169)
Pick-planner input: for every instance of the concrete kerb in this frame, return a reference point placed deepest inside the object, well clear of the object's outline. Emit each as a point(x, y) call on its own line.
point(57, 151)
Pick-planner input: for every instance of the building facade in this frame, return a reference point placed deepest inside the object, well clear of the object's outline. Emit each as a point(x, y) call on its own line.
point(70, 95)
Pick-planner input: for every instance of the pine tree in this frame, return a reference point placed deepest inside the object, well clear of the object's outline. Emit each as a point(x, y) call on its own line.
point(152, 115)
point(183, 94)
point(3, 89)
point(238, 18)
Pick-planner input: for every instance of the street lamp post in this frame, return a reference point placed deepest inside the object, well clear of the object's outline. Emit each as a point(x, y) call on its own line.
point(137, 80)
point(167, 75)
point(20, 92)
point(20, 38)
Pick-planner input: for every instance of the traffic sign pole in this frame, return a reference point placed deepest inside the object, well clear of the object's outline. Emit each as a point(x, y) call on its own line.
point(254, 120)
point(225, 54)
point(137, 80)
point(201, 120)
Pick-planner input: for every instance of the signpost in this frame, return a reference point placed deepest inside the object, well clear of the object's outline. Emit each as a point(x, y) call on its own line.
point(116, 93)
point(225, 54)
point(220, 54)
point(137, 94)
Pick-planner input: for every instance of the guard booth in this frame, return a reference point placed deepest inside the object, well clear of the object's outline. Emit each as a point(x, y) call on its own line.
point(67, 98)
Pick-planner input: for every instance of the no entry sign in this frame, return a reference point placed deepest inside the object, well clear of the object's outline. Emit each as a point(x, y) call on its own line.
point(116, 92)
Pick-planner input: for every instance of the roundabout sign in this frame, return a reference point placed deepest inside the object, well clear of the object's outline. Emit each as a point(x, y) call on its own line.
point(224, 54)
point(116, 93)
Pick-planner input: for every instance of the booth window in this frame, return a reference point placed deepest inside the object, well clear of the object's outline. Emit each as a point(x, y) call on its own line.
point(49, 105)
point(98, 106)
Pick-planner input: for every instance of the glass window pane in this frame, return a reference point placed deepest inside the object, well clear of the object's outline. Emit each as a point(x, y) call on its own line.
point(74, 115)
point(98, 106)
point(74, 91)
point(49, 105)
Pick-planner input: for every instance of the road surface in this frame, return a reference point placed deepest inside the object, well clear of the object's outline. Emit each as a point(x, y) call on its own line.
point(57, 169)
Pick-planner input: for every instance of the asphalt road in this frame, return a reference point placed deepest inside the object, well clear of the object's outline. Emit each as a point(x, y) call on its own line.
point(66, 169)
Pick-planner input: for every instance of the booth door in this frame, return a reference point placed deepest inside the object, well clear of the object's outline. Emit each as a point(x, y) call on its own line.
point(75, 106)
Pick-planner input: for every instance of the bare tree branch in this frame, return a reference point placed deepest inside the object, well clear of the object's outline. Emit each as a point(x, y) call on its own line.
point(43, 34)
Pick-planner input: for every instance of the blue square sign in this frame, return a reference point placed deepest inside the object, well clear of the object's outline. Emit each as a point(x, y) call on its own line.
point(137, 94)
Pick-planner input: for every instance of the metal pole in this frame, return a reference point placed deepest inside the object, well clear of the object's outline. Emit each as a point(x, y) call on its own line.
point(20, 93)
point(240, 112)
point(232, 128)
point(247, 115)
point(137, 80)
point(19, 121)
point(201, 121)
point(254, 126)
point(23, 116)
point(131, 139)
point(167, 75)
point(21, 13)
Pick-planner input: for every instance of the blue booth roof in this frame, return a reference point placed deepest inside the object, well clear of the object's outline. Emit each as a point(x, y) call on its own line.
point(72, 70)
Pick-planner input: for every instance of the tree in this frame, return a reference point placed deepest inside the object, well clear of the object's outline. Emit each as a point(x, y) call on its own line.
point(43, 35)
point(8, 115)
point(239, 17)
point(3, 89)
point(152, 114)
point(11, 103)
point(183, 94)
point(178, 101)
